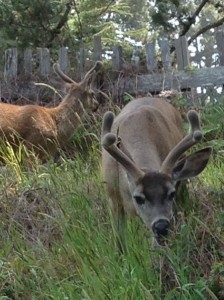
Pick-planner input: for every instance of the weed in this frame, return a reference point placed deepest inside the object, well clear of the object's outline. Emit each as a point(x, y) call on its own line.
point(57, 240)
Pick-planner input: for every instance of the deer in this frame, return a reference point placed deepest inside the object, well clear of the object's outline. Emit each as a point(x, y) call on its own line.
point(144, 161)
point(45, 129)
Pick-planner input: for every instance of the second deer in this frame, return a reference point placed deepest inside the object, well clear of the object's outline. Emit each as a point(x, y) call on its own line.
point(143, 161)
point(44, 129)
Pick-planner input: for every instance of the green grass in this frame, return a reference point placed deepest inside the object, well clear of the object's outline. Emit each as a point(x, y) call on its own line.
point(57, 242)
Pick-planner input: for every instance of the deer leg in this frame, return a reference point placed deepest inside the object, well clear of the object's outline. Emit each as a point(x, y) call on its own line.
point(120, 226)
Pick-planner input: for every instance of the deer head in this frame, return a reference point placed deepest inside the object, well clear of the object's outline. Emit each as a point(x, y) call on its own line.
point(82, 90)
point(153, 192)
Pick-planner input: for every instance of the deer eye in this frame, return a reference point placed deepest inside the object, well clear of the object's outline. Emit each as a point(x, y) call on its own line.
point(140, 200)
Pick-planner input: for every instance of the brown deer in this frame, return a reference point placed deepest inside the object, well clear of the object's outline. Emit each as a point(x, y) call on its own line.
point(44, 129)
point(143, 161)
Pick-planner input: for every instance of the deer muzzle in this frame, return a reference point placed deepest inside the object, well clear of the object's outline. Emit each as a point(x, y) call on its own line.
point(160, 228)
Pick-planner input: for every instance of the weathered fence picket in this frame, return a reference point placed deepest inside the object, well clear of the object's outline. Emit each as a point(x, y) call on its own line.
point(220, 46)
point(168, 72)
point(27, 64)
point(44, 60)
point(182, 53)
point(11, 60)
point(165, 54)
point(151, 57)
point(97, 48)
point(117, 59)
point(63, 59)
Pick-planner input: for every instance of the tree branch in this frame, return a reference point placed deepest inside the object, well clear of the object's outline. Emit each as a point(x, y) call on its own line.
point(64, 18)
point(97, 17)
point(106, 8)
point(191, 20)
point(205, 28)
point(79, 20)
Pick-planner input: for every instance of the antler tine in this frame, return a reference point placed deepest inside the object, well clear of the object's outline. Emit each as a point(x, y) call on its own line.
point(108, 120)
point(108, 143)
point(186, 143)
point(58, 70)
point(96, 68)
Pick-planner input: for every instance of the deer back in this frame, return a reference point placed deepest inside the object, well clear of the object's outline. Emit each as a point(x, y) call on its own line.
point(149, 128)
point(142, 161)
point(44, 129)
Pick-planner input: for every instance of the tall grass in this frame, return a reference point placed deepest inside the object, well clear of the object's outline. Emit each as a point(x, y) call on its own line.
point(57, 242)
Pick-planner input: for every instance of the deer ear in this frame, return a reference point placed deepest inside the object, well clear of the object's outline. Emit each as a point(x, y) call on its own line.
point(191, 165)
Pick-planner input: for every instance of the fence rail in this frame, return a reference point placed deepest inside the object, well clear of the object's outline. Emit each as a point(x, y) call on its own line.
point(144, 72)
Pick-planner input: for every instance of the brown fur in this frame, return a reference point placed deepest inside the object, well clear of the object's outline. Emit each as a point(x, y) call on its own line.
point(43, 129)
point(140, 160)
point(149, 129)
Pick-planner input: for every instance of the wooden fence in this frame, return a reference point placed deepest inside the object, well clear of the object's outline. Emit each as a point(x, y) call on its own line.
point(151, 69)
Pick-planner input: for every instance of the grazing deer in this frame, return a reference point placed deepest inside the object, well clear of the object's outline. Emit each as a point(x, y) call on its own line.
point(143, 161)
point(43, 129)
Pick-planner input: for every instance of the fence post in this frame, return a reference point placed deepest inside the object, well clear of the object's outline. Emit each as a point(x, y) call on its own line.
point(117, 60)
point(220, 46)
point(151, 57)
point(182, 53)
point(27, 63)
point(165, 54)
point(63, 59)
point(45, 65)
point(82, 61)
point(97, 48)
point(11, 64)
point(135, 59)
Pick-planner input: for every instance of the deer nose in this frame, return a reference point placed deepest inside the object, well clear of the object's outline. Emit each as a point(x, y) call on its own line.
point(160, 228)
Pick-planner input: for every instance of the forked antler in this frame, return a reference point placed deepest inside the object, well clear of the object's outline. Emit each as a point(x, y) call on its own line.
point(108, 120)
point(96, 68)
point(186, 143)
point(58, 70)
point(108, 142)
point(90, 75)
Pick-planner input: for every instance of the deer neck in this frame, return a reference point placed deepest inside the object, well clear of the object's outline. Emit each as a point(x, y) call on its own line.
point(68, 116)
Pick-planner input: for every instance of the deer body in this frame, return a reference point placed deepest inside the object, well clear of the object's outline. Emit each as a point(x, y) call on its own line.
point(136, 137)
point(43, 129)
point(141, 162)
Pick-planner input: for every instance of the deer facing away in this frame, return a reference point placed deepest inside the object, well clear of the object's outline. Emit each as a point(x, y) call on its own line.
point(142, 162)
point(43, 129)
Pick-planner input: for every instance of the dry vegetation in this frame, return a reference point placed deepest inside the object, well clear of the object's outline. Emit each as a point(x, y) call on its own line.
point(57, 240)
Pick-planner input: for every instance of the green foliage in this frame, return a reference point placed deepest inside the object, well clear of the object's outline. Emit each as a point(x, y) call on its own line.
point(30, 23)
point(127, 98)
point(209, 114)
point(73, 24)
point(213, 130)
point(46, 24)
point(58, 243)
